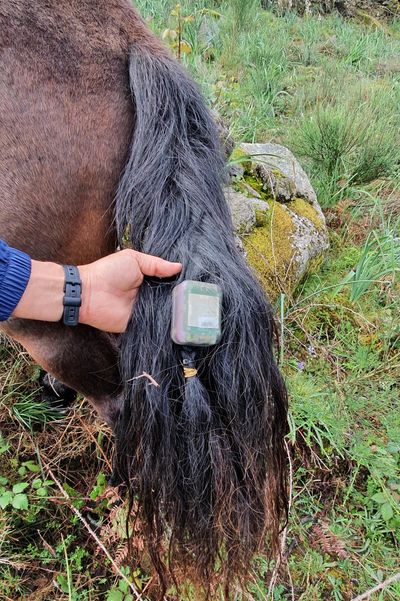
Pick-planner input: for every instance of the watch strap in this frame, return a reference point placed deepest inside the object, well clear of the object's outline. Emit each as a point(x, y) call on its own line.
point(72, 295)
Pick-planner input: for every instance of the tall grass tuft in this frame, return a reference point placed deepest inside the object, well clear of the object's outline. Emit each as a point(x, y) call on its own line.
point(328, 137)
point(347, 144)
point(380, 257)
point(31, 411)
point(240, 17)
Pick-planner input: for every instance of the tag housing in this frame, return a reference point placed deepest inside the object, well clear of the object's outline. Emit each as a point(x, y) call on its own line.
point(196, 313)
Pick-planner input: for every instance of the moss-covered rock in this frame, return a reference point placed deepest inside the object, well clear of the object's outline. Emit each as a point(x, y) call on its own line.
point(269, 249)
point(287, 246)
point(308, 211)
point(279, 172)
point(287, 237)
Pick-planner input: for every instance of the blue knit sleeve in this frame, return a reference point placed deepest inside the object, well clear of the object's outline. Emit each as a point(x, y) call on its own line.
point(15, 271)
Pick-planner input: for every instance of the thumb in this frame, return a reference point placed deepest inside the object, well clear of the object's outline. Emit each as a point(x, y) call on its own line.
point(151, 265)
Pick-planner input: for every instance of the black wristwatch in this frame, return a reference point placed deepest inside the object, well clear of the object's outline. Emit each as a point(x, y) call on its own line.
point(72, 295)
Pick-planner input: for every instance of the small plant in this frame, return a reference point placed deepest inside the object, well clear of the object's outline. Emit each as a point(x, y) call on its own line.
point(120, 592)
point(383, 487)
point(241, 15)
point(175, 35)
point(385, 508)
point(24, 494)
point(313, 417)
point(240, 19)
point(376, 158)
point(357, 51)
point(14, 496)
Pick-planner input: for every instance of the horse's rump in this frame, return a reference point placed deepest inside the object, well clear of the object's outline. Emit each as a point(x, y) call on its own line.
point(65, 124)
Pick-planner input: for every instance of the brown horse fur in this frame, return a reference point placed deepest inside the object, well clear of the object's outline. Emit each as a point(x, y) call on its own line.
point(205, 459)
point(66, 119)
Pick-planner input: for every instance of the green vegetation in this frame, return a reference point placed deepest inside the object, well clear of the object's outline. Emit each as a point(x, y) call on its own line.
point(329, 89)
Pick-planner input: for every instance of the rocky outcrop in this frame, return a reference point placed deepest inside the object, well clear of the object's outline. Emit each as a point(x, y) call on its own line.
point(277, 216)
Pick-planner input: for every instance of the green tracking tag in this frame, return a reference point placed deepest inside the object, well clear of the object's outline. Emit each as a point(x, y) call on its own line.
point(196, 313)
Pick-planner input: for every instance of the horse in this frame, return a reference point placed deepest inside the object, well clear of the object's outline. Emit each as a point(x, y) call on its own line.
point(105, 140)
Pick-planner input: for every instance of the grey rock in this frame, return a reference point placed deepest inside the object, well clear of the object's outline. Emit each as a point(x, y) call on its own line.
point(308, 242)
point(281, 173)
point(258, 204)
point(284, 180)
point(242, 210)
point(227, 142)
point(239, 244)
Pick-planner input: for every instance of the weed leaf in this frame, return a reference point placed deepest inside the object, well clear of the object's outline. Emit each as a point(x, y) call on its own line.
point(20, 487)
point(6, 499)
point(20, 501)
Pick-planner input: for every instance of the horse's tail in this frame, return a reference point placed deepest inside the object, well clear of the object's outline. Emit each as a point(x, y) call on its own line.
point(203, 458)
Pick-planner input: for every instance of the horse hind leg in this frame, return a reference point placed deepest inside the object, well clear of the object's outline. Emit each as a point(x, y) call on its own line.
point(55, 393)
point(82, 358)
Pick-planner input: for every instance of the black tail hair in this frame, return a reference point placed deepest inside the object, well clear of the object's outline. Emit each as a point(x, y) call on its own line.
point(204, 458)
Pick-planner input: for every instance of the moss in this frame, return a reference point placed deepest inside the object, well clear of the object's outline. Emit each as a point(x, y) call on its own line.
point(239, 156)
point(270, 251)
point(261, 217)
point(256, 185)
point(269, 247)
point(315, 263)
point(302, 208)
point(277, 173)
point(341, 261)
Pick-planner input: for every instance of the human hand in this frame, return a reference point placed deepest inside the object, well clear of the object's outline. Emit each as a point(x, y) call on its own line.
point(111, 284)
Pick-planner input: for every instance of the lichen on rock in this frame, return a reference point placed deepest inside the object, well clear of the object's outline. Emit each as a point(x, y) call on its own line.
point(308, 211)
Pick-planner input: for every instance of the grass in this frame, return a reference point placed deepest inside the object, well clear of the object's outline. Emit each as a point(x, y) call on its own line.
point(380, 257)
point(330, 90)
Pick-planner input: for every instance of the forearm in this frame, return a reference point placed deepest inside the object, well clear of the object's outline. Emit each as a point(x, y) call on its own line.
point(43, 296)
point(109, 287)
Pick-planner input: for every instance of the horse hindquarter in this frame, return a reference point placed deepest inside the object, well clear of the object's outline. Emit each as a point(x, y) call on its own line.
point(65, 126)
